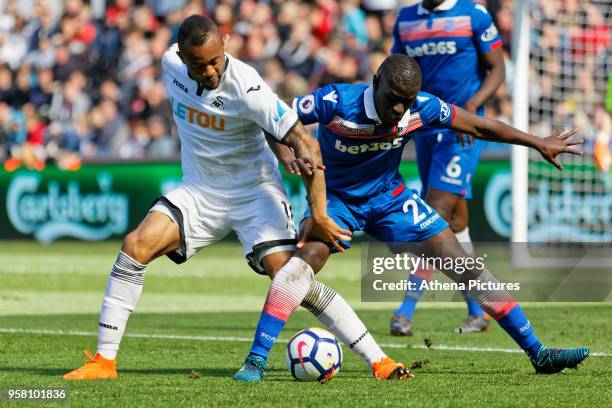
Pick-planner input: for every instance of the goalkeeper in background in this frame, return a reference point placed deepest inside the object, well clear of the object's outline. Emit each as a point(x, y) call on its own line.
point(457, 46)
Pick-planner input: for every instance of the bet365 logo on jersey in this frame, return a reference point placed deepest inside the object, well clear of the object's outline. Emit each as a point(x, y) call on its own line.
point(432, 48)
point(368, 147)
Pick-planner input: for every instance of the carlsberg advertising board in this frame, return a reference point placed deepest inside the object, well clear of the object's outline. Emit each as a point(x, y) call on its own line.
point(106, 201)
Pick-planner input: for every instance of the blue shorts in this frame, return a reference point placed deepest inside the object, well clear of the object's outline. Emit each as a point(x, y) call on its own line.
point(397, 215)
point(444, 164)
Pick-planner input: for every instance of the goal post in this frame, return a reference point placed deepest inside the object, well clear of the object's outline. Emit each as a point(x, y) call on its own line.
point(520, 119)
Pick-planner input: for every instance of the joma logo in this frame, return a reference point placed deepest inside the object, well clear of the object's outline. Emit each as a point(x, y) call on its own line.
point(178, 84)
point(108, 326)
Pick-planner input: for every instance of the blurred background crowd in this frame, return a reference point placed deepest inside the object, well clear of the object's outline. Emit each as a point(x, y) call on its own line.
point(81, 80)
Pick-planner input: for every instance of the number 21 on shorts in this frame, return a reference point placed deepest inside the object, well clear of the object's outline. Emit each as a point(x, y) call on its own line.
point(412, 205)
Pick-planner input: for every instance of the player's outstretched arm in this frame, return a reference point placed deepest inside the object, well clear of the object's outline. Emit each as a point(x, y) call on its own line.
point(307, 148)
point(550, 147)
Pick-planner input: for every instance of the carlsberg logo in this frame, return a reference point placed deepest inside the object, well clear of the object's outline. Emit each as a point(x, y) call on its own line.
point(52, 214)
point(560, 215)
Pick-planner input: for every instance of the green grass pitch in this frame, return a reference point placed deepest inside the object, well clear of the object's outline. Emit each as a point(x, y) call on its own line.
point(192, 327)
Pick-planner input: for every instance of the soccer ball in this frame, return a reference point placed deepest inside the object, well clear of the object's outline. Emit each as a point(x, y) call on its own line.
point(314, 355)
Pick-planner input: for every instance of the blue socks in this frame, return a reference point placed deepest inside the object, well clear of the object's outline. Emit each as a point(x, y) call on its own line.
point(267, 332)
point(411, 297)
point(516, 324)
point(473, 308)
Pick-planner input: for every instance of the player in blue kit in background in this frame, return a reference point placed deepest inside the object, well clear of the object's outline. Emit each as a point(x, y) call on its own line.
point(456, 44)
point(362, 130)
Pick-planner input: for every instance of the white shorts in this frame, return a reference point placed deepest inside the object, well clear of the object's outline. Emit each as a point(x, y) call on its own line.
point(261, 216)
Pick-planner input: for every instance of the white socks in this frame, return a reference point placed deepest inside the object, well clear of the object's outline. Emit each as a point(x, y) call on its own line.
point(292, 284)
point(288, 288)
point(122, 294)
point(338, 316)
point(466, 241)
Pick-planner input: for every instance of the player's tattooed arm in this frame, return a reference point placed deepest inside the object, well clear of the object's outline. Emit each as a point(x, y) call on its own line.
point(285, 156)
point(561, 141)
point(324, 228)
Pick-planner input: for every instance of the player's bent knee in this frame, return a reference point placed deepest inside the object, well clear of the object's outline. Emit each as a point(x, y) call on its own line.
point(156, 235)
point(459, 219)
point(314, 254)
point(136, 245)
point(272, 263)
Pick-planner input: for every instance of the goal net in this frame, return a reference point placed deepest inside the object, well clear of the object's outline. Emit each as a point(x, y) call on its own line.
point(562, 53)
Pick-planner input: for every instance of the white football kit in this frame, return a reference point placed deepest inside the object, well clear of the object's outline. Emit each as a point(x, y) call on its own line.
point(230, 176)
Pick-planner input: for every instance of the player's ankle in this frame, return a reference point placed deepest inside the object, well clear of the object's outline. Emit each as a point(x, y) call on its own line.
point(533, 351)
point(259, 355)
point(106, 356)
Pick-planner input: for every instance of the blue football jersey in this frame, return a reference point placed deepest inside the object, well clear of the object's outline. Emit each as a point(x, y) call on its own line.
point(361, 155)
point(448, 44)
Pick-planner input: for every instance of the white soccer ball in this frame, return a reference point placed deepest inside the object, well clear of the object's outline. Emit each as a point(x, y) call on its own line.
point(314, 355)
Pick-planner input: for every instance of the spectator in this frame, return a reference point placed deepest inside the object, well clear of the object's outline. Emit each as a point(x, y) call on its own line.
point(13, 131)
point(353, 20)
point(110, 131)
point(22, 88)
point(6, 84)
point(161, 145)
point(65, 63)
point(6, 131)
point(13, 48)
point(42, 92)
point(43, 56)
point(375, 33)
point(324, 19)
point(295, 51)
point(43, 28)
point(135, 147)
point(162, 8)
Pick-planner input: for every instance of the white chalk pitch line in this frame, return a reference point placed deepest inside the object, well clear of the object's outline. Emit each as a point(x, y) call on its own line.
point(10, 330)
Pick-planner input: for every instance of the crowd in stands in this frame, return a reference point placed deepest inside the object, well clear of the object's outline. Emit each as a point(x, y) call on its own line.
point(571, 60)
point(81, 80)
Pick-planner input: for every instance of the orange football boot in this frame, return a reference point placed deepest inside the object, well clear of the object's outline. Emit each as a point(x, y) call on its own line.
point(94, 369)
point(387, 369)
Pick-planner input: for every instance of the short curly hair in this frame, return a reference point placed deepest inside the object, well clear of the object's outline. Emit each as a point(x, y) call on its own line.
point(401, 71)
point(196, 30)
